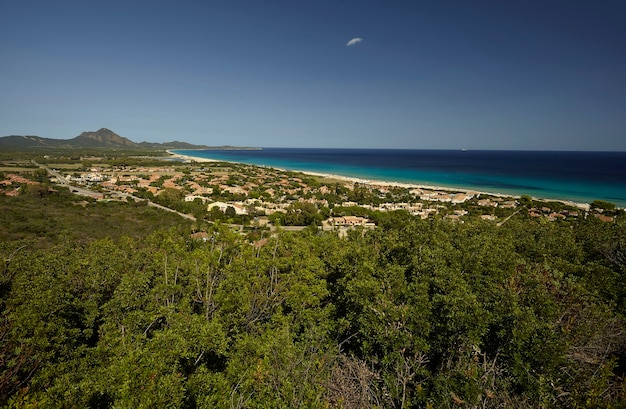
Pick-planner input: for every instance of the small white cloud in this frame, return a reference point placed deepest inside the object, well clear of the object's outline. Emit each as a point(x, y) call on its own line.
point(354, 41)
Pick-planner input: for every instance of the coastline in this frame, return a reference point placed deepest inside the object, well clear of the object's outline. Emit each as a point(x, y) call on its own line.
point(349, 179)
point(187, 158)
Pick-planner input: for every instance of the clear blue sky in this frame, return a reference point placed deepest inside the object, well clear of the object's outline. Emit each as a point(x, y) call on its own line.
point(532, 74)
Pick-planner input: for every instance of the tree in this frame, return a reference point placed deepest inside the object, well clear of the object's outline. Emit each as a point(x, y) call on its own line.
point(302, 214)
point(603, 205)
point(526, 201)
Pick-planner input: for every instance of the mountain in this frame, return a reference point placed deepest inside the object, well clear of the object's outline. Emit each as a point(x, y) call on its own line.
point(102, 138)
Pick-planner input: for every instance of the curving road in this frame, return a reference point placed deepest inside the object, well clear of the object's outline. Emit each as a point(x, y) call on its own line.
point(62, 181)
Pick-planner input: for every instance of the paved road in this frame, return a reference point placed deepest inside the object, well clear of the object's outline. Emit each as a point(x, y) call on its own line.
point(61, 180)
point(158, 206)
point(90, 193)
point(60, 177)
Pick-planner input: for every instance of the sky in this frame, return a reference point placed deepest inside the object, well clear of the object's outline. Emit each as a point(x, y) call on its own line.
point(512, 74)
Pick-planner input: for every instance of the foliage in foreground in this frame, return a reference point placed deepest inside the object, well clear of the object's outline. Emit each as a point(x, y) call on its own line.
point(412, 314)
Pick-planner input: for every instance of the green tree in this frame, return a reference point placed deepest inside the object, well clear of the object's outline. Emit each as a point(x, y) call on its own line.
point(601, 204)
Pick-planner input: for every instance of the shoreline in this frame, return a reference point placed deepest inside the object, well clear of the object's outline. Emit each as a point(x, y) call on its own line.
point(187, 158)
point(350, 179)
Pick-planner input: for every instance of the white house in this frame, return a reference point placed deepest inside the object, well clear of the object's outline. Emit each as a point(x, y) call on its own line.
point(191, 198)
point(223, 206)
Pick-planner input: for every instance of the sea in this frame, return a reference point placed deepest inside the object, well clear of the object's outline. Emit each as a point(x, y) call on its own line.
point(580, 177)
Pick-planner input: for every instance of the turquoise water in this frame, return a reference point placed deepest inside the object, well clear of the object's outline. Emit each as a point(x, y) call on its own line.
point(576, 176)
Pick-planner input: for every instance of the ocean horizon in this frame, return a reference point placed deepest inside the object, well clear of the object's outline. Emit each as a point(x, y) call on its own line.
point(575, 176)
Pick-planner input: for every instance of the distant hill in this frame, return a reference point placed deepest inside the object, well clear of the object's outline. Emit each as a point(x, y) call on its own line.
point(28, 141)
point(171, 145)
point(102, 138)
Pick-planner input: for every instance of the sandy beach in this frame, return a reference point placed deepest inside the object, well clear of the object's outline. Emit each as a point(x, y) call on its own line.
point(187, 158)
point(384, 183)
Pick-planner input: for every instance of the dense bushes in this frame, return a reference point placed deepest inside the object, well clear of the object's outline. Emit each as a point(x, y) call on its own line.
point(59, 216)
point(411, 314)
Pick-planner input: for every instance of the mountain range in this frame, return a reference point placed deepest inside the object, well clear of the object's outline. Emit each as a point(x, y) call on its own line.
point(102, 138)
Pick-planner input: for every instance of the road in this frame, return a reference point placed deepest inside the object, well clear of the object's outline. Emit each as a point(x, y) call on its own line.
point(62, 181)
point(511, 215)
point(158, 206)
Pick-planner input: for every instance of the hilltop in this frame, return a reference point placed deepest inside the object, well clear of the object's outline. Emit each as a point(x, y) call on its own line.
point(102, 138)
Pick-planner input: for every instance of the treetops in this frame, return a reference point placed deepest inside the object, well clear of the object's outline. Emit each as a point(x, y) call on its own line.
point(415, 313)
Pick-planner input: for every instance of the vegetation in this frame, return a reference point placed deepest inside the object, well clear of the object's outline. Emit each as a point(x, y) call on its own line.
point(48, 218)
point(116, 304)
point(601, 204)
point(416, 313)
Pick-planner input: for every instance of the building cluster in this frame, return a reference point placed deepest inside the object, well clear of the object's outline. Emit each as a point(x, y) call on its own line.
point(552, 215)
point(246, 190)
point(266, 191)
point(12, 182)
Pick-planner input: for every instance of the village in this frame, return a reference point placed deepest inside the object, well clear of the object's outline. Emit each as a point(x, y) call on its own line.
point(266, 197)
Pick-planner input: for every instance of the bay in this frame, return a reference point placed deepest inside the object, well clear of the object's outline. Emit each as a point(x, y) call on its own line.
point(574, 176)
